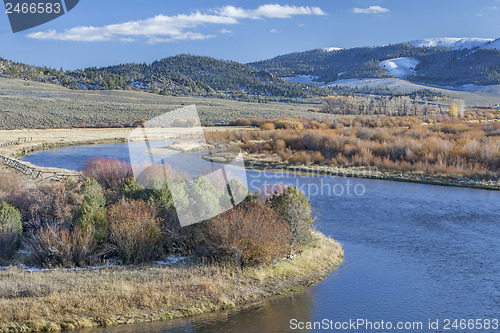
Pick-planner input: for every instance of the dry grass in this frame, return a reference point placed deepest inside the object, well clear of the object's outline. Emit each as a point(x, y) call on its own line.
point(57, 300)
point(39, 105)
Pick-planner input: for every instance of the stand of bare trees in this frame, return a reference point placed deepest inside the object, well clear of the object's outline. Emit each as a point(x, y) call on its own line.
point(390, 106)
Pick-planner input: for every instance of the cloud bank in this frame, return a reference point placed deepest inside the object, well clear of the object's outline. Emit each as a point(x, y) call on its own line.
point(371, 10)
point(162, 28)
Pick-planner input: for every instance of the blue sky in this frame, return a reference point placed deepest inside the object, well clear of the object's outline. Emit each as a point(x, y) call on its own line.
point(107, 32)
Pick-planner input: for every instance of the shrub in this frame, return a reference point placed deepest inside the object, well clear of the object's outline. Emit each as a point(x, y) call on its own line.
point(301, 157)
point(267, 127)
point(289, 124)
point(57, 245)
point(10, 182)
point(251, 233)
point(109, 172)
point(56, 201)
point(11, 229)
point(204, 198)
point(134, 232)
point(237, 190)
point(294, 208)
point(130, 189)
point(160, 194)
point(92, 214)
point(317, 157)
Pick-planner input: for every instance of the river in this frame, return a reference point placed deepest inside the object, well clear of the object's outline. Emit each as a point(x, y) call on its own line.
point(413, 253)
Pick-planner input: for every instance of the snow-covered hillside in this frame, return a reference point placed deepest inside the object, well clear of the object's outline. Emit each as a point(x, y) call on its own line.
point(493, 45)
point(453, 43)
point(400, 67)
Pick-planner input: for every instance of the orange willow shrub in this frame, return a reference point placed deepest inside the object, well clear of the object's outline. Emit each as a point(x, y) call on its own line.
point(134, 231)
point(109, 172)
point(251, 233)
point(267, 127)
point(438, 145)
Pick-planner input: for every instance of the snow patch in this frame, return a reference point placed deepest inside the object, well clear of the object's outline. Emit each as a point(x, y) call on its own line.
point(494, 45)
point(171, 260)
point(452, 43)
point(400, 67)
point(88, 268)
point(138, 84)
point(332, 49)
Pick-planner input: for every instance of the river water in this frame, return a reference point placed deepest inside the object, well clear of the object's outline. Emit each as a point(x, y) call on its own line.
point(413, 253)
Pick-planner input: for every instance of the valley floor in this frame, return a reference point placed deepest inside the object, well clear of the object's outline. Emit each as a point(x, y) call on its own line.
point(43, 139)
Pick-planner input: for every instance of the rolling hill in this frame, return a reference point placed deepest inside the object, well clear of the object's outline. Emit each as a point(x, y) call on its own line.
point(184, 75)
point(445, 62)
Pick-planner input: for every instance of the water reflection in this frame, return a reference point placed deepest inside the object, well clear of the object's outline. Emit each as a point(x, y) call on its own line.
point(270, 316)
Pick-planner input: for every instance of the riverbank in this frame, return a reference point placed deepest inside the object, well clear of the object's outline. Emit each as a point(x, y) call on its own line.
point(67, 300)
point(268, 164)
point(33, 140)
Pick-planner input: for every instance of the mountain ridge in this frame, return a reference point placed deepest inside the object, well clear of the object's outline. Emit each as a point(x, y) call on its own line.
point(455, 63)
point(453, 43)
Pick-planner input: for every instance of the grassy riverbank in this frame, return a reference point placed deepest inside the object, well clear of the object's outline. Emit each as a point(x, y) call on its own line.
point(440, 151)
point(64, 300)
point(255, 162)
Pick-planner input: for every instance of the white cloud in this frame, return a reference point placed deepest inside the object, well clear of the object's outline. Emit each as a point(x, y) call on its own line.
point(162, 28)
point(371, 10)
point(274, 31)
point(225, 31)
point(270, 11)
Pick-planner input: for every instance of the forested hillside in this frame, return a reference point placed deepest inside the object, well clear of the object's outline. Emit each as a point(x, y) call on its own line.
point(461, 67)
point(438, 65)
point(179, 75)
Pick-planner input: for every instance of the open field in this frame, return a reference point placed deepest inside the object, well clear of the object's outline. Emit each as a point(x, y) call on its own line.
point(475, 96)
point(31, 105)
point(55, 300)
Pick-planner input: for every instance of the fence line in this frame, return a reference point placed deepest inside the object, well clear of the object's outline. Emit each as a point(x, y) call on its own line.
point(17, 142)
point(32, 172)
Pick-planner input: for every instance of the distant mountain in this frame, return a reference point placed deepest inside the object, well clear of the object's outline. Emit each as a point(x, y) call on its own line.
point(452, 43)
point(444, 61)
